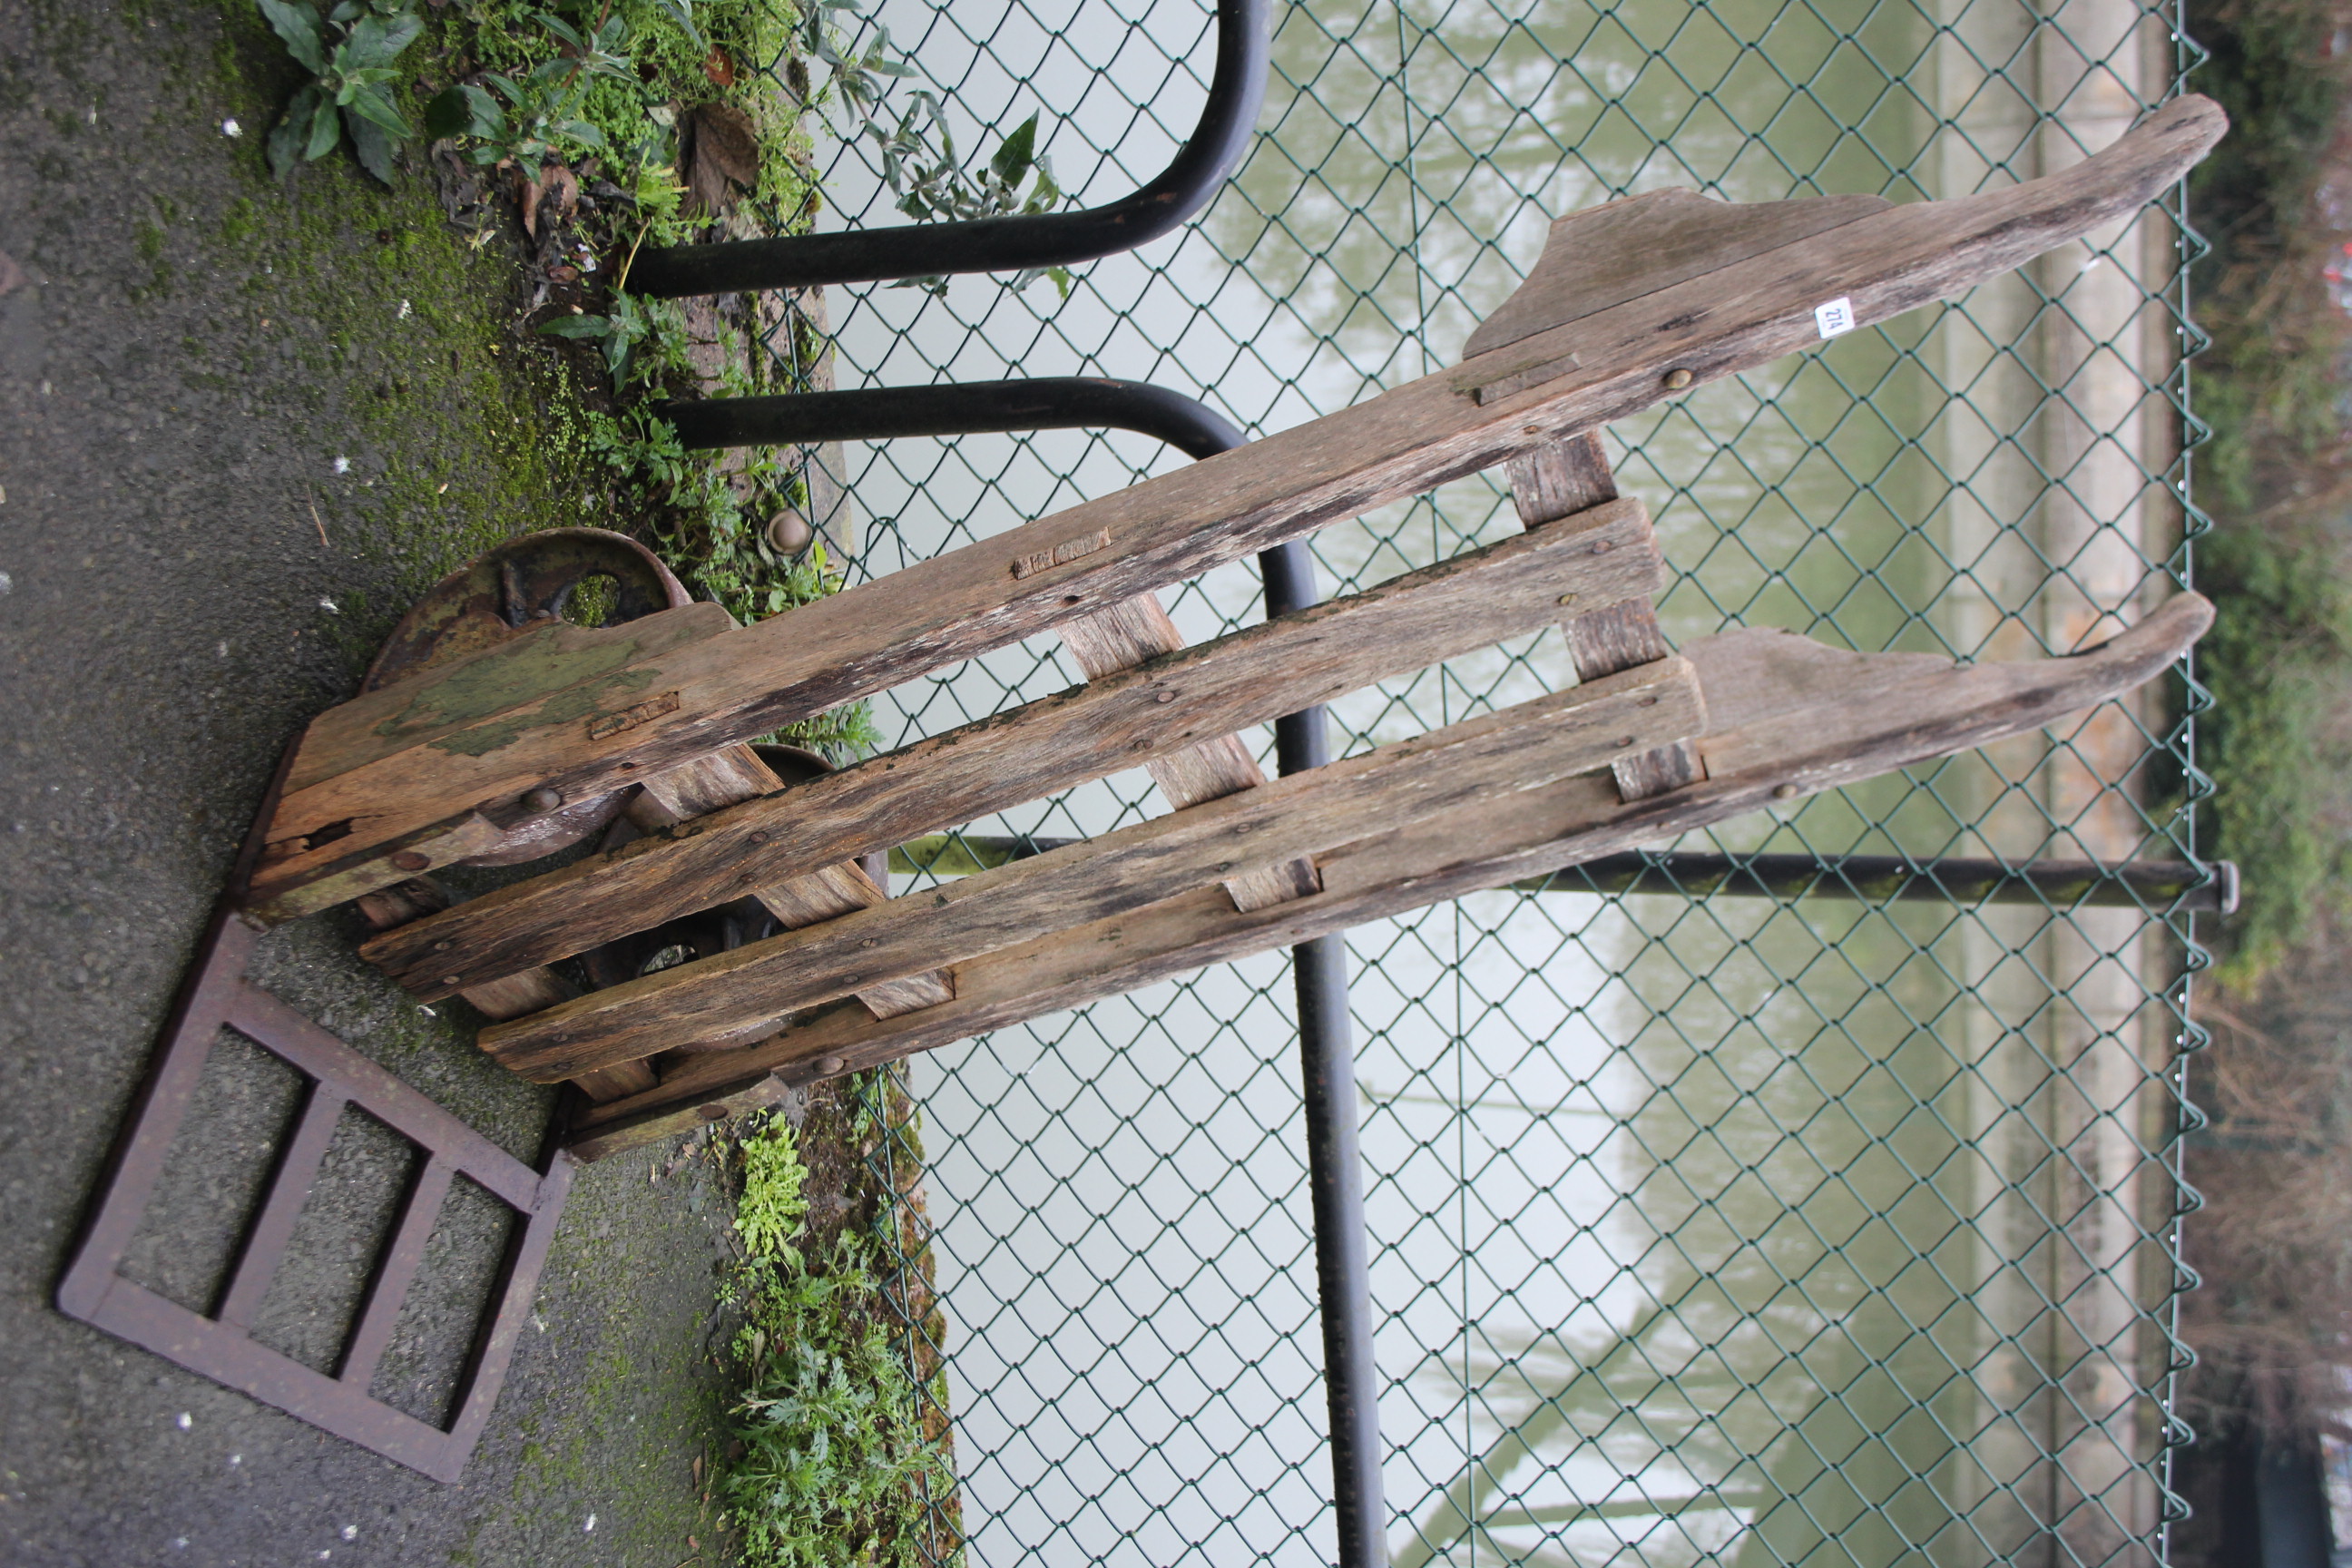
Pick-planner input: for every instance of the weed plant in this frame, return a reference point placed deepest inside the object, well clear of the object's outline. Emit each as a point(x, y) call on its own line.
point(578, 112)
point(833, 1463)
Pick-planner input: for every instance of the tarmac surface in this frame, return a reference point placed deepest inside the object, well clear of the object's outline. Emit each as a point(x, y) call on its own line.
point(227, 407)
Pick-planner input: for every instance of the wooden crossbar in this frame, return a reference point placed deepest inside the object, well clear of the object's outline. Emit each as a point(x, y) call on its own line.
point(1606, 556)
point(1785, 717)
point(744, 994)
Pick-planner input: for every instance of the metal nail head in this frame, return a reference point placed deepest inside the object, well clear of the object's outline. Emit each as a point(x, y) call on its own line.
point(1677, 379)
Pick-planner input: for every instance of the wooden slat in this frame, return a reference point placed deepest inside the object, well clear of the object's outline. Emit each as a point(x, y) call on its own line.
point(742, 994)
point(1563, 480)
point(503, 997)
point(1135, 631)
point(416, 773)
point(1785, 717)
point(735, 774)
point(1256, 674)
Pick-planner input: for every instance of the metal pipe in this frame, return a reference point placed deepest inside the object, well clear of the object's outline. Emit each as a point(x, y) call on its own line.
point(960, 408)
point(1011, 244)
point(1335, 1163)
point(2173, 885)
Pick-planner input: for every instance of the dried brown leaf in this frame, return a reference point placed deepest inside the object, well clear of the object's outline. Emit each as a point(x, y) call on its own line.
point(722, 156)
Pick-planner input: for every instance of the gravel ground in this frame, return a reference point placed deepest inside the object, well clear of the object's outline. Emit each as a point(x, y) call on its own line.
point(243, 427)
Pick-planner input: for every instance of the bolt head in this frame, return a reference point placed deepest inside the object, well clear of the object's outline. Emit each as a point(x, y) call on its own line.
point(829, 1066)
point(542, 800)
point(1784, 792)
point(450, 979)
point(412, 860)
point(1568, 598)
point(713, 1113)
point(1677, 379)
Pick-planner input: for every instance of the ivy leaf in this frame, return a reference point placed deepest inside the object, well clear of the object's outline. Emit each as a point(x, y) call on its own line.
point(1020, 151)
point(298, 26)
point(293, 129)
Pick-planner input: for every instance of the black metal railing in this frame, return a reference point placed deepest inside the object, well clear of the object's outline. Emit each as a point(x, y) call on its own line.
point(1010, 244)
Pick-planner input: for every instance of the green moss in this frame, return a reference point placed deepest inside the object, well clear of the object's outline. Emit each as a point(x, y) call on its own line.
point(469, 436)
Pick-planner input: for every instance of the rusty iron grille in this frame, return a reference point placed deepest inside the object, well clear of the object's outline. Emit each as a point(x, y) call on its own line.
point(219, 1345)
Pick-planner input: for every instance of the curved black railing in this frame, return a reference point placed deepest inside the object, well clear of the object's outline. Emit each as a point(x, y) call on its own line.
point(1011, 243)
point(959, 408)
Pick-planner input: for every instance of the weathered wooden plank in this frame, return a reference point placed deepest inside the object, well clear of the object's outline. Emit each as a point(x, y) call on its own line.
point(743, 996)
point(1134, 632)
point(358, 804)
point(1563, 480)
point(1624, 249)
point(1456, 607)
point(1785, 717)
point(733, 774)
point(508, 996)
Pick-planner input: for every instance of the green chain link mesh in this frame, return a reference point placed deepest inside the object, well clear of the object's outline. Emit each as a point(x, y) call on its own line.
point(1710, 1229)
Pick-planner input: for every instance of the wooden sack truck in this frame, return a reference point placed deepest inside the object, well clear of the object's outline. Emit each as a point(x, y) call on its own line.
point(500, 747)
point(485, 753)
point(491, 731)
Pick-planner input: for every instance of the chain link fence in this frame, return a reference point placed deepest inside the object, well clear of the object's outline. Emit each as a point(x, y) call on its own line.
point(1703, 1228)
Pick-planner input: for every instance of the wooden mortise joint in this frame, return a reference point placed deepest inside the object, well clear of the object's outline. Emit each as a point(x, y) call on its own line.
point(1131, 633)
point(735, 774)
point(1556, 482)
point(512, 995)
